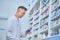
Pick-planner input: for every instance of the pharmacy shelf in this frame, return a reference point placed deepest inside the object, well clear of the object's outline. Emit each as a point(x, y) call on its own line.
point(33, 5)
point(34, 28)
point(45, 4)
point(43, 17)
point(31, 18)
point(52, 36)
point(30, 21)
point(35, 36)
point(36, 22)
point(31, 8)
point(35, 33)
point(44, 23)
point(31, 13)
point(36, 18)
point(44, 30)
point(37, 12)
point(53, 1)
point(44, 11)
point(57, 26)
point(30, 26)
point(58, 6)
point(29, 35)
point(55, 36)
point(56, 17)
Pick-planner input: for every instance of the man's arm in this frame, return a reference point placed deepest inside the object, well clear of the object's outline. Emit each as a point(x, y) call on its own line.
point(9, 31)
point(12, 31)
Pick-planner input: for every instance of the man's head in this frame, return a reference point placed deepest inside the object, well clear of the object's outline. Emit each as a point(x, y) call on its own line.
point(21, 11)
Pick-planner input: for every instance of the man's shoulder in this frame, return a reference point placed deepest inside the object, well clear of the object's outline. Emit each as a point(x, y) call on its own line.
point(10, 19)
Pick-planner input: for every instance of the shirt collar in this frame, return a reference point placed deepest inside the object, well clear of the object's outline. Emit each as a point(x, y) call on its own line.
point(16, 18)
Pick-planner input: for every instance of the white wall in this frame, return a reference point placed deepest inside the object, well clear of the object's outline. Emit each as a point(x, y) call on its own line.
point(8, 7)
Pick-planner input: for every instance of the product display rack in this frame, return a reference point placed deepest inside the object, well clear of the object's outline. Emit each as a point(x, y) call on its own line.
point(44, 18)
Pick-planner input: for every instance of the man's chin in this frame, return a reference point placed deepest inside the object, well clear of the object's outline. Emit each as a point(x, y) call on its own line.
point(21, 17)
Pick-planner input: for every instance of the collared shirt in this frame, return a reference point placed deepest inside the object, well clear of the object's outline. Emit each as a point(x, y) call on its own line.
point(13, 29)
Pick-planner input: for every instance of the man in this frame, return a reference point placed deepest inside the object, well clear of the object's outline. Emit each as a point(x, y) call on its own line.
point(13, 32)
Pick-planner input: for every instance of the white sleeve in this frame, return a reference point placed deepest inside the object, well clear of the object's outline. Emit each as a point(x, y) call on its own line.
point(9, 31)
point(11, 24)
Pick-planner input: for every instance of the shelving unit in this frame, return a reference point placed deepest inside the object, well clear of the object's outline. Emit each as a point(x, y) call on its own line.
point(55, 18)
point(34, 21)
point(45, 16)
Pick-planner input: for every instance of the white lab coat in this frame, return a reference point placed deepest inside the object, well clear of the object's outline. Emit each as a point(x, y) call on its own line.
point(13, 30)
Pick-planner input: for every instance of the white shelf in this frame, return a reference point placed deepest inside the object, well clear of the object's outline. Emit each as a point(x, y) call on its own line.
point(45, 38)
point(44, 9)
point(53, 1)
point(33, 5)
point(44, 23)
point(36, 21)
point(56, 8)
point(45, 4)
point(36, 12)
point(45, 16)
point(32, 15)
point(36, 24)
point(35, 33)
point(31, 18)
point(52, 36)
point(57, 26)
point(30, 21)
point(44, 30)
point(35, 17)
point(55, 36)
point(30, 26)
point(29, 35)
point(34, 28)
point(56, 17)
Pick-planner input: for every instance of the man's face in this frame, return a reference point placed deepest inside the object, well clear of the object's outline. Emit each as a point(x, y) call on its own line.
point(21, 12)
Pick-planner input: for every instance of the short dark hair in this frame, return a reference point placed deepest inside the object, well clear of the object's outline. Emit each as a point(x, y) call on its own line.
point(22, 8)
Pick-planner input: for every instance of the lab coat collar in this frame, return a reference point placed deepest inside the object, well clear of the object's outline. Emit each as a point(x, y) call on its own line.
point(17, 18)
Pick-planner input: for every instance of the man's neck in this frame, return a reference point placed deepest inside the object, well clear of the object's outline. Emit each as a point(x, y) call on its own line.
point(16, 16)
